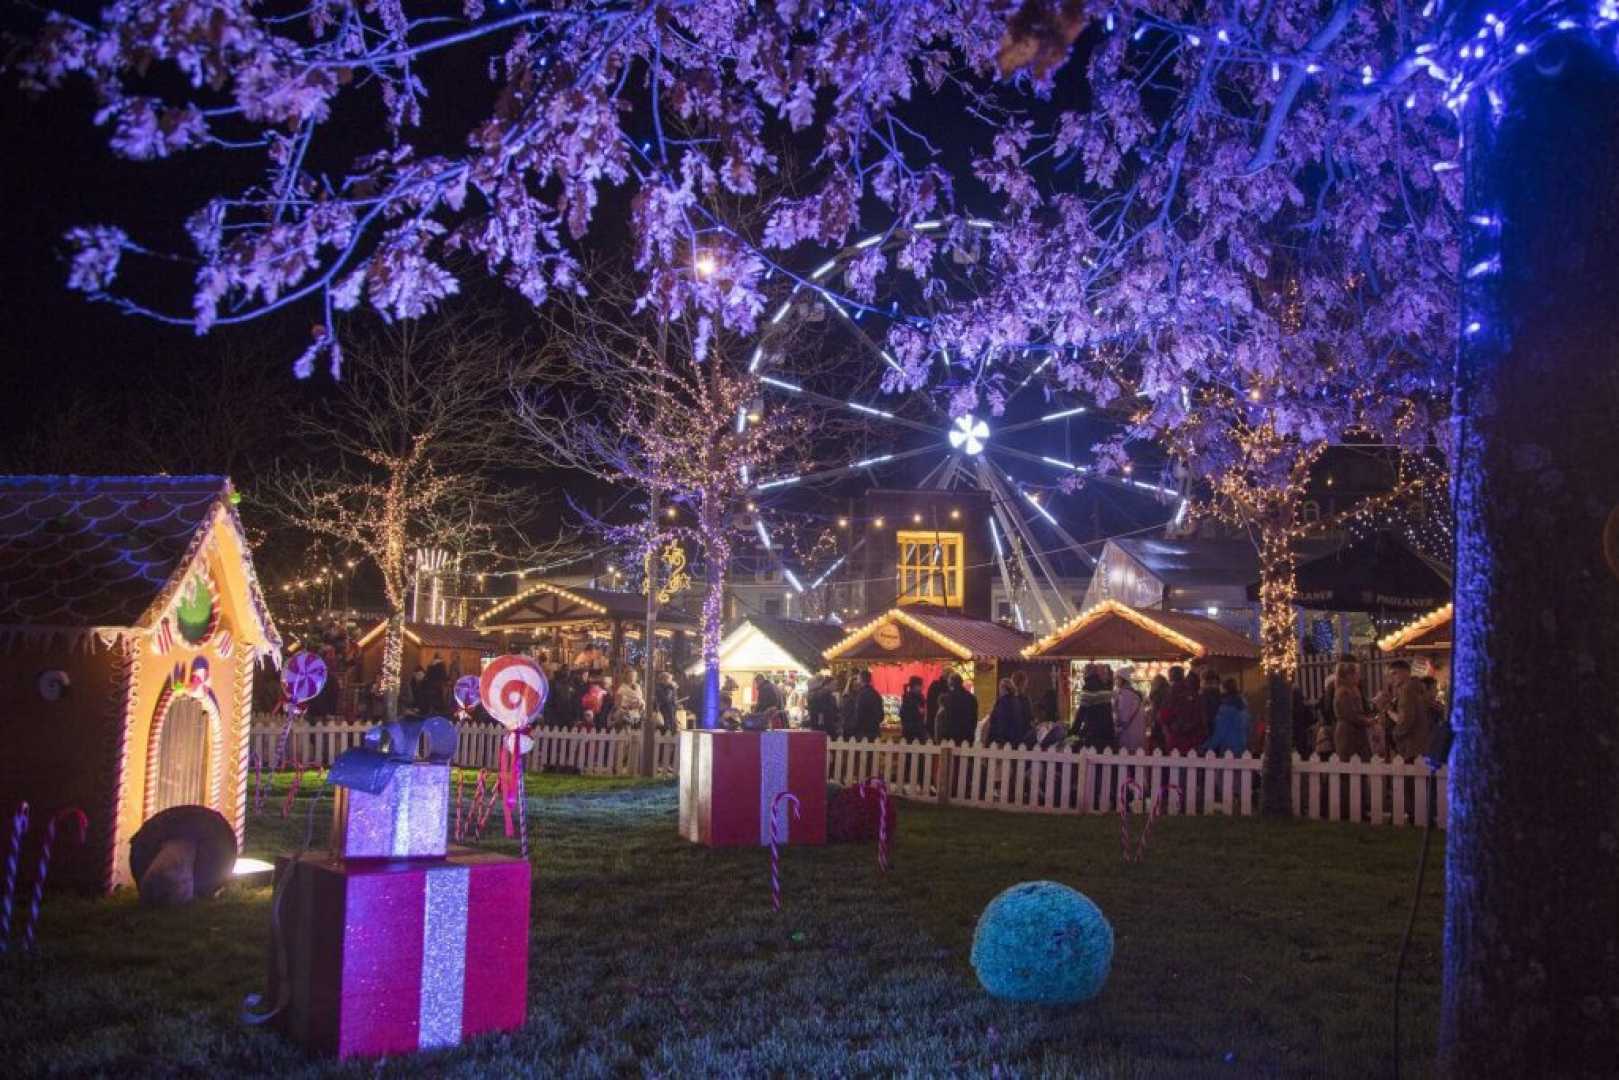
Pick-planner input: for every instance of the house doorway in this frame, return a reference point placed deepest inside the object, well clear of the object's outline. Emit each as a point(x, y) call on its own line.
point(182, 755)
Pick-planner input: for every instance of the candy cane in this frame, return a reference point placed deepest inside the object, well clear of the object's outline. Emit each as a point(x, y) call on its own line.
point(1152, 806)
point(19, 829)
point(44, 868)
point(876, 784)
point(775, 853)
point(489, 795)
point(460, 797)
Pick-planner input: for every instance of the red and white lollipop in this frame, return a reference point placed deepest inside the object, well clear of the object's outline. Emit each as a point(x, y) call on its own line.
point(513, 690)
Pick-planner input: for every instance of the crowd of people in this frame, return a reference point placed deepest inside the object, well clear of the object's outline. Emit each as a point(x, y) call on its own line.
point(1398, 721)
point(589, 697)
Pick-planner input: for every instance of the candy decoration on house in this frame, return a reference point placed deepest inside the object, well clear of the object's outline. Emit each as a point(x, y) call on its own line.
point(513, 690)
point(393, 941)
point(8, 886)
point(182, 853)
point(466, 694)
point(53, 685)
point(392, 803)
point(729, 781)
point(1042, 942)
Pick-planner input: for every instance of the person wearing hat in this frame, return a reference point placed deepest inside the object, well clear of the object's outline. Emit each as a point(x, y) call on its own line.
point(1129, 711)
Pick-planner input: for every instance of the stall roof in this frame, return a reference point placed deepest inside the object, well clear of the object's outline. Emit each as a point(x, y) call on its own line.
point(1432, 632)
point(804, 643)
point(435, 636)
point(922, 632)
point(1112, 630)
point(546, 603)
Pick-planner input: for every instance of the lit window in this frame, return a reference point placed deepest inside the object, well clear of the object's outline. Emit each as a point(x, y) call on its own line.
point(930, 568)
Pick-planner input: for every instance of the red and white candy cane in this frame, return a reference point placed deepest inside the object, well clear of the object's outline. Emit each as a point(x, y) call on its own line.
point(1152, 807)
point(876, 784)
point(8, 889)
point(44, 868)
point(775, 852)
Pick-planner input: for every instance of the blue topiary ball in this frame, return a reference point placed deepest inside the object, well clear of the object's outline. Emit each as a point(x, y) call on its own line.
point(1042, 942)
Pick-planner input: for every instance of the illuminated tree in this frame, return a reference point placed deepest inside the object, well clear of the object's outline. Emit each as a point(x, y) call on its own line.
point(405, 446)
point(631, 401)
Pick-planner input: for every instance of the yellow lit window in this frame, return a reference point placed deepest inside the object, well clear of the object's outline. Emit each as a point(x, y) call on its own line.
point(930, 570)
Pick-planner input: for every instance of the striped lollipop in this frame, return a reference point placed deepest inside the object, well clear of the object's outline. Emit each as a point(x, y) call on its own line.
point(466, 693)
point(303, 677)
point(513, 690)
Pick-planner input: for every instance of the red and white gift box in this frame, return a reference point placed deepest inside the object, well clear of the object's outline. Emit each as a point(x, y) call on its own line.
point(388, 957)
point(729, 781)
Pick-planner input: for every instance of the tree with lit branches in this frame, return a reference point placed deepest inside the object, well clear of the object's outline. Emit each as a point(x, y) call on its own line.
point(1216, 145)
point(631, 401)
point(406, 446)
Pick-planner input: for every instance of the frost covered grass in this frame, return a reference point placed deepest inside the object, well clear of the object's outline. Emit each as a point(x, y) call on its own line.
point(1243, 948)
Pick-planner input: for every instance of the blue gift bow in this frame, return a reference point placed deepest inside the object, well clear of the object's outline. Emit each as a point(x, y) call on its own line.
point(388, 746)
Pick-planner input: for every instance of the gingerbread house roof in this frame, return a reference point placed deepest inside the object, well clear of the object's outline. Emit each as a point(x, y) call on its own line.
point(107, 552)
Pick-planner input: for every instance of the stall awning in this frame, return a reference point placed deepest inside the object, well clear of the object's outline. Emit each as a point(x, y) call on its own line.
point(435, 636)
point(1113, 631)
point(919, 632)
point(1431, 633)
point(1377, 574)
point(546, 604)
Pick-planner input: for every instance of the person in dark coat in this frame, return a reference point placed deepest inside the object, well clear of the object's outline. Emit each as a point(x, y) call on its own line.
point(868, 710)
point(912, 715)
point(1093, 720)
point(937, 689)
point(1210, 697)
point(1006, 726)
point(665, 699)
point(960, 712)
point(1187, 728)
point(1020, 687)
point(765, 695)
point(434, 685)
point(821, 705)
point(848, 697)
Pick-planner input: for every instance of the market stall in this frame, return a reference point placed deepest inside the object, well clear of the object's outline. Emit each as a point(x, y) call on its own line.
point(1151, 641)
point(786, 651)
point(922, 640)
point(570, 622)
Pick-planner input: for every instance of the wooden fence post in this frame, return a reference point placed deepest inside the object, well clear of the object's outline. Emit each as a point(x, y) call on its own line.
point(942, 778)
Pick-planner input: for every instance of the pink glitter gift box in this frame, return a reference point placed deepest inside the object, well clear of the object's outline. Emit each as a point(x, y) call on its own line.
point(729, 780)
point(388, 957)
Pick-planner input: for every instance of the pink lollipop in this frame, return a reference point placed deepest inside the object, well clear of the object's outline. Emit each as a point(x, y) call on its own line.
point(303, 677)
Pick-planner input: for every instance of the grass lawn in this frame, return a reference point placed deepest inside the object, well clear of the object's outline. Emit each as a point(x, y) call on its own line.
point(1243, 948)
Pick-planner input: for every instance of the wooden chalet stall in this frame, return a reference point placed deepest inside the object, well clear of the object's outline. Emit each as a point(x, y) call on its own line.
point(926, 640)
point(463, 649)
point(784, 650)
point(130, 624)
point(1152, 641)
point(563, 620)
point(1428, 638)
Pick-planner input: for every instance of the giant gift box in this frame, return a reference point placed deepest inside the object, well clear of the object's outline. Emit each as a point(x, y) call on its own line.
point(391, 956)
point(729, 781)
point(389, 804)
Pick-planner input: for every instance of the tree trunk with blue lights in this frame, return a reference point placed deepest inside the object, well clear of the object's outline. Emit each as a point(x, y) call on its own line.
point(1531, 979)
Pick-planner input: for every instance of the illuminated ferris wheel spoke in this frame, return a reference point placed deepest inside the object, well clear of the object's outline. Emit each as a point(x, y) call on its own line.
point(859, 465)
point(1007, 496)
point(1006, 574)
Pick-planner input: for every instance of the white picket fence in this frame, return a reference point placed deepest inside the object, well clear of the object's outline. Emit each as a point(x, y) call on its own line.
point(1058, 781)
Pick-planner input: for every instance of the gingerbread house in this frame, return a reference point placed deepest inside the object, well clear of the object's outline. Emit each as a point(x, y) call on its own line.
point(130, 624)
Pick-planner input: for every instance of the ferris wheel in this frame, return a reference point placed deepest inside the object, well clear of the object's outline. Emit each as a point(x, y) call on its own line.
point(1016, 442)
